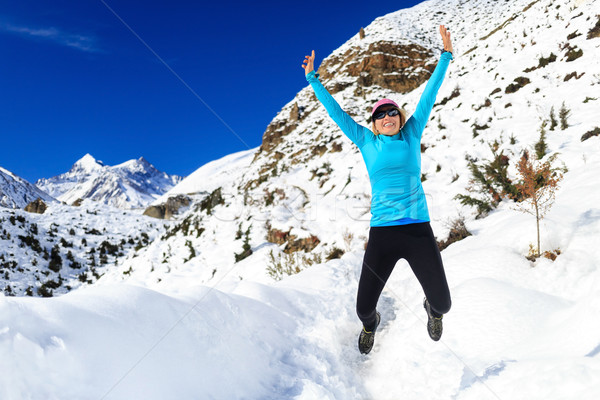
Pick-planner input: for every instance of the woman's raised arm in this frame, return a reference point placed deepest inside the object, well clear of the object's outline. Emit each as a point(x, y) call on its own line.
point(354, 131)
point(309, 63)
point(423, 109)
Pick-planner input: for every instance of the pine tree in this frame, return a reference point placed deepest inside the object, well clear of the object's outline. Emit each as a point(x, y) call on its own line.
point(538, 185)
point(564, 113)
point(541, 147)
point(553, 122)
point(489, 182)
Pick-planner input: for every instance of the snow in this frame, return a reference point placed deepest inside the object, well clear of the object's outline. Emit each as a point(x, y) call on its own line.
point(515, 331)
point(211, 175)
point(129, 185)
point(163, 323)
point(15, 192)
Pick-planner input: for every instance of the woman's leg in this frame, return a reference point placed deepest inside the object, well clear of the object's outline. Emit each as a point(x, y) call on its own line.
point(425, 260)
point(378, 263)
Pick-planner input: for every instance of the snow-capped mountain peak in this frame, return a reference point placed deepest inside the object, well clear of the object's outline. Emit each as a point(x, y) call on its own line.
point(87, 164)
point(131, 184)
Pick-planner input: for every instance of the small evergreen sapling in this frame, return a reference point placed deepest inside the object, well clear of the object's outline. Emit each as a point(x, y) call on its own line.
point(564, 113)
point(541, 146)
point(553, 122)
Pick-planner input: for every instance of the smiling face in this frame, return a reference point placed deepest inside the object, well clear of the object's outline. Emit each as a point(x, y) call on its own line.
point(388, 126)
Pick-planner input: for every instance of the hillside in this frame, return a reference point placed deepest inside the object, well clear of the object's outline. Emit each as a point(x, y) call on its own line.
point(305, 194)
point(249, 293)
point(16, 192)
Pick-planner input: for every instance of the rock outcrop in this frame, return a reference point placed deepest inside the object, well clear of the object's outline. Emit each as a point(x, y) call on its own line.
point(37, 206)
point(168, 209)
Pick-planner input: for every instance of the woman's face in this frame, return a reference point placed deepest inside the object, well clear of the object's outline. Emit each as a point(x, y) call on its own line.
point(387, 125)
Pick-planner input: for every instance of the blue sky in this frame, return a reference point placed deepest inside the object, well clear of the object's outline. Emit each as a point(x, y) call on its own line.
point(74, 79)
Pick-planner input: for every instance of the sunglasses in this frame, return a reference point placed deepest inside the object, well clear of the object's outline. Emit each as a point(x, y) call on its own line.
point(392, 112)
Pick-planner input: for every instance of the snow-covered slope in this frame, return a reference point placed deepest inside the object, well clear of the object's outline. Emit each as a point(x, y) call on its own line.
point(67, 247)
point(212, 175)
point(16, 192)
point(515, 332)
point(132, 184)
point(197, 313)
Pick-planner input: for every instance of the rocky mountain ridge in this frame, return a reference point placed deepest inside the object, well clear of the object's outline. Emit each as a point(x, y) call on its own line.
point(16, 192)
point(132, 184)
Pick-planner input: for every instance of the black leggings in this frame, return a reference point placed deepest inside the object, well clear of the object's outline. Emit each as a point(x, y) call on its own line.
point(387, 244)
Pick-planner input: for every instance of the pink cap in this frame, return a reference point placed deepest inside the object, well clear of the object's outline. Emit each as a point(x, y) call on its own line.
point(383, 102)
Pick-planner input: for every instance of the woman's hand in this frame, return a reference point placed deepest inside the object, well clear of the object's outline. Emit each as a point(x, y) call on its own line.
point(309, 63)
point(446, 38)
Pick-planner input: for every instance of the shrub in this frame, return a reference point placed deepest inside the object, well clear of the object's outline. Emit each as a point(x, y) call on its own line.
point(595, 31)
point(108, 248)
point(477, 127)
point(290, 264)
point(334, 253)
point(44, 291)
point(211, 201)
point(563, 114)
point(553, 122)
point(545, 61)
point(519, 83)
point(489, 182)
point(538, 185)
point(246, 249)
point(573, 74)
point(55, 259)
point(32, 242)
point(589, 134)
point(458, 231)
point(279, 267)
point(455, 93)
point(551, 255)
point(192, 251)
point(323, 173)
point(541, 147)
point(574, 54)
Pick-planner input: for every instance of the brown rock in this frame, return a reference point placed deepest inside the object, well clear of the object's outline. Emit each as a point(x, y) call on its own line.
point(36, 206)
point(401, 68)
point(293, 244)
point(168, 209)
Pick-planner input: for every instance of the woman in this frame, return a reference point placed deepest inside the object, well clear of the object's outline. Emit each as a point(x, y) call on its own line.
point(399, 216)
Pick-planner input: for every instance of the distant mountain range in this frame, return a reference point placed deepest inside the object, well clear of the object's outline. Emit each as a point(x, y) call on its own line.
point(132, 184)
point(16, 192)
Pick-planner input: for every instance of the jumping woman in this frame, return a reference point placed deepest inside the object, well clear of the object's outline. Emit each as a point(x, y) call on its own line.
point(399, 225)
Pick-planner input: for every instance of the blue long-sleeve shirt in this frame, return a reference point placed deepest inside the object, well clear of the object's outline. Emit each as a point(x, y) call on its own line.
point(393, 162)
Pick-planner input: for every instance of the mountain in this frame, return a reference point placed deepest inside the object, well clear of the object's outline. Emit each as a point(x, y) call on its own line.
point(132, 184)
point(16, 192)
point(262, 267)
